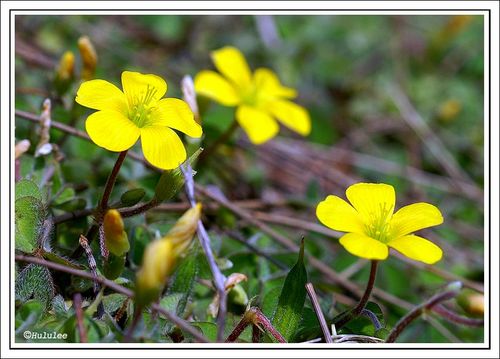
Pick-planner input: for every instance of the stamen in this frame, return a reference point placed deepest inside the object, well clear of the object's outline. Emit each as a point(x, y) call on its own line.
point(379, 224)
point(141, 106)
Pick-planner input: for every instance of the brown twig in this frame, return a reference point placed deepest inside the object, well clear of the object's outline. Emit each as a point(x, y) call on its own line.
point(254, 317)
point(319, 313)
point(115, 287)
point(450, 292)
point(77, 305)
point(453, 317)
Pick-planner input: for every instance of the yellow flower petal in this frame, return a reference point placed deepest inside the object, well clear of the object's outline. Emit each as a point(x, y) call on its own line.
point(364, 247)
point(374, 201)
point(112, 130)
point(101, 95)
point(293, 116)
point(258, 125)
point(137, 86)
point(232, 64)
point(413, 218)
point(214, 86)
point(417, 248)
point(339, 215)
point(176, 114)
point(266, 81)
point(162, 147)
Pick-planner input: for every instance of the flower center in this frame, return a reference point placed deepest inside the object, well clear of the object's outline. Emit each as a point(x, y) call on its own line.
point(378, 226)
point(140, 106)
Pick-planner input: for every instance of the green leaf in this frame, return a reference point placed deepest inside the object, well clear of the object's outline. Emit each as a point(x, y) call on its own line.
point(184, 278)
point(73, 204)
point(56, 258)
point(208, 329)
point(65, 195)
point(170, 302)
point(132, 197)
point(288, 314)
point(36, 282)
point(29, 213)
point(27, 188)
point(113, 302)
point(171, 182)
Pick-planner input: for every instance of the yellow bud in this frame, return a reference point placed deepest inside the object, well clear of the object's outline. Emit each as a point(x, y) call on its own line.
point(89, 57)
point(157, 263)
point(472, 302)
point(181, 234)
point(116, 237)
point(449, 110)
point(66, 67)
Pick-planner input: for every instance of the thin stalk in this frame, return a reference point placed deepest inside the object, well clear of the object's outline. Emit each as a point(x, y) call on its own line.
point(77, 305)
point(110, 183)
point(453, 317)
point(451, 291)
point(319, 314)
point(356, 311)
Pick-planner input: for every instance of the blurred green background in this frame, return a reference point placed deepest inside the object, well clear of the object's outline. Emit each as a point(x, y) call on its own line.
point(347, 70)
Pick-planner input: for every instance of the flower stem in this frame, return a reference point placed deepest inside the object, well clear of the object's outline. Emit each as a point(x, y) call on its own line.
point(457, 318)
point(356, 311)
point(451, 291)
point(103, 205)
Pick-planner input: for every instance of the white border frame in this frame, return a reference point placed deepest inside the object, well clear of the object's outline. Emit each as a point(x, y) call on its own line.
point(316, 8)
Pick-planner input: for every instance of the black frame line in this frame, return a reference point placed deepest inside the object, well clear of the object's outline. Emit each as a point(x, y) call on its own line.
point(243, 12)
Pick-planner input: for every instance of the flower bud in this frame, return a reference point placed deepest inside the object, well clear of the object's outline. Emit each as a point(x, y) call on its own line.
point(116, 237)
point(89, 57)
point(471, 302)
point(157, 263)
point(22, 147)
point(66, 68)
point(181, 234)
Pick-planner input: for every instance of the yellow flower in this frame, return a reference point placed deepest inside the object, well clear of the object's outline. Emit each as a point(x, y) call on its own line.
point(138, 111)
point(259, 97)
point(374, 227)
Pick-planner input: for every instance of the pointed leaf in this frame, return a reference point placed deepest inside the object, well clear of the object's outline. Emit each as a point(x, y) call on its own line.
point(288, 314)
point(172, 181)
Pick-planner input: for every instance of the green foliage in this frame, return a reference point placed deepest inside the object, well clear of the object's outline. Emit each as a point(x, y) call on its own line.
point(36, 282)
point(171, 181)
point(29, 216)
point(132, 197)
point(286, 318)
